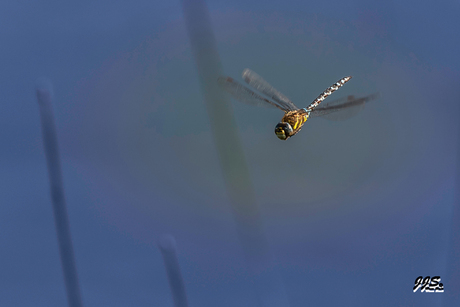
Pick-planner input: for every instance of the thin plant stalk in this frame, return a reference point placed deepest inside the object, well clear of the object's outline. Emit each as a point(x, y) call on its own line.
point(168, 249)
point(50, 144)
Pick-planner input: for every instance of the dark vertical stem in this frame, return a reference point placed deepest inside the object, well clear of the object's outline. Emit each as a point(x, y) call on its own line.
point(231, 156)
point(50, 144)
point(168, 250)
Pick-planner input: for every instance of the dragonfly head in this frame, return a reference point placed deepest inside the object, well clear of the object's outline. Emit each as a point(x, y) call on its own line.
point(283, 131)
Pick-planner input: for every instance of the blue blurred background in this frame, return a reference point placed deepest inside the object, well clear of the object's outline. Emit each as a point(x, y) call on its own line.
point(354, 211)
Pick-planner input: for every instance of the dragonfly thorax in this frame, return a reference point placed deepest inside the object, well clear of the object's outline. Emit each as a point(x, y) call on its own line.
point(283, 131)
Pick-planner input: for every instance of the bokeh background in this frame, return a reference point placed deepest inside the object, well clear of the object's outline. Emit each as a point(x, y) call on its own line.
point(353, 211)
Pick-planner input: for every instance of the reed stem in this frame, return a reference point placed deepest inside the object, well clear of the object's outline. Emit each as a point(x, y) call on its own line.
point(50, 144)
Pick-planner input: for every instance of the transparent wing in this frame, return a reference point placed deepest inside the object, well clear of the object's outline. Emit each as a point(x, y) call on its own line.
point(342, 109)
point(328, 92)
point(243, 94)
point(262, 86)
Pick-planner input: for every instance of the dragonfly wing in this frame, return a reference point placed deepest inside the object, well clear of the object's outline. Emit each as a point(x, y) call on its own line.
point(262, 86)
point(342, 109)
point(244, 94)
point(328, 92)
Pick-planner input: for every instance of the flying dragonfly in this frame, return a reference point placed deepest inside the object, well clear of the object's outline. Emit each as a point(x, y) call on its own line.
point(294, 117)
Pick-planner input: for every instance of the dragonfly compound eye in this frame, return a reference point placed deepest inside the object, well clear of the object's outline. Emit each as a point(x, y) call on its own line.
point(283, 131)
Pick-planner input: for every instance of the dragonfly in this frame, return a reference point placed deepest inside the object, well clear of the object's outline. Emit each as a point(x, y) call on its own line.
point(294, 117)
